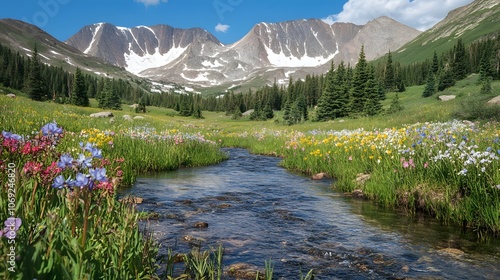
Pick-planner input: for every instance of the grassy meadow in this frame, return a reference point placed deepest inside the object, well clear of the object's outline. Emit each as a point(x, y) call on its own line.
point(60, 169)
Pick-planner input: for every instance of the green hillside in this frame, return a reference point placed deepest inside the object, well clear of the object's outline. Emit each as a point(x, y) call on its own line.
point(469, 23)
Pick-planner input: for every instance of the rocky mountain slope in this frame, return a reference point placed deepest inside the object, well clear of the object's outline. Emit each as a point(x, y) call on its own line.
point(22, 37)
point(269, 51)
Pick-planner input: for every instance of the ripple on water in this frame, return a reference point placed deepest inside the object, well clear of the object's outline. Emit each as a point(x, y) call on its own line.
point(260, 211)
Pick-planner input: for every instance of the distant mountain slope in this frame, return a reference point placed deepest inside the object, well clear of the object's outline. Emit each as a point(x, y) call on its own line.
point(22, 37)
point(270, 51)
point(470, 23)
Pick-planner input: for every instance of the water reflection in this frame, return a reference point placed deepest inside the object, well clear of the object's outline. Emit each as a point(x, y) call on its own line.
point(260, 211)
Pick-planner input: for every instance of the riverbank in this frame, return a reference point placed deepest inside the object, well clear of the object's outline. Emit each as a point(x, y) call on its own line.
point(446, 168)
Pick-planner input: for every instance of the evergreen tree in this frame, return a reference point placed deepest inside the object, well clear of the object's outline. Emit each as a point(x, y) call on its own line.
point(333, 103)
point(36, 84)
point(445, 80)
point(327, 108)
point(109, 98)
point(435, 63)
point(197, 112)
point(358, 94)
point(395, 105)
point(389, 73)
point(430, 87)
point(186, 107)
point(287, 114)
point(302, 105)
point(459, 63)
point(268, 112)
point(486, 69)
point(401, 86)
point(372, 103)
point(141, 108)
point(79, 94)
point(486, 86)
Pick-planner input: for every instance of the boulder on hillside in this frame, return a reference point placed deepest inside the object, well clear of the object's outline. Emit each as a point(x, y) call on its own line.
point(102, 115)
point(138, 118)
point(127, 118)
point(11, 95)
point(248, 113)
point(446, 97)
point(495, 100)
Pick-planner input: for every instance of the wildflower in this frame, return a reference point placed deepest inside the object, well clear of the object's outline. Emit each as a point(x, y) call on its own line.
point(463, 172)
point(426, 165)
point(97, 153)
point(59, 182)
point(26, 148)
point(86, 147)
point(81, 180)
point(51, 129)
point(84, 161)
point(65, 161)
point(32, 167)
point(98, 174)
point(11, 136)
point(12, 225)
point(108, 186)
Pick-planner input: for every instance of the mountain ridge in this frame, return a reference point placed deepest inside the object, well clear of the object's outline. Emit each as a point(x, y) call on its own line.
point(292, 46)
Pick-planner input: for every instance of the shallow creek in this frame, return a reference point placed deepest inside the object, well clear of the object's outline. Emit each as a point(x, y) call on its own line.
point(260, 211)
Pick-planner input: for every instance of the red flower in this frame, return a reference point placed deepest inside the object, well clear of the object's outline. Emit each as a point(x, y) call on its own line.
point(32, 167)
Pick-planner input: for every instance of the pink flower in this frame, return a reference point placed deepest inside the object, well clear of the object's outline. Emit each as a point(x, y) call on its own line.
point(32, 167)
point(26, 148)
point(426, 165)
point(350, 157)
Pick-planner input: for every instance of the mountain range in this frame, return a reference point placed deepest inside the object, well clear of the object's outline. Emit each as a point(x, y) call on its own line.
point(268, 52)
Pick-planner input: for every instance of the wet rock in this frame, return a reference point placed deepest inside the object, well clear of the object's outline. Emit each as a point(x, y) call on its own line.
point(358, 193)
point(151, 216)
point(200, 225)
point(244, 271)
point(405, 269)
point(457, 253)
point(187, 202)
point(131, 200)
point(178, 258)
point(320, 176)
point(224, 206)
point(362, 178)
point(102, 115)
point(192, 240)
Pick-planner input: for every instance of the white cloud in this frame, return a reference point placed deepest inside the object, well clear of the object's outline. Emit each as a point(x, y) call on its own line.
point(419, 14)
point(151, 2)
point(222, 28)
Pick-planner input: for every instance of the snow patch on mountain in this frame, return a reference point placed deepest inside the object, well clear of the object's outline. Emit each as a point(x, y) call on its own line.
point(137, 63)
point(94, 34)
point(282, 60)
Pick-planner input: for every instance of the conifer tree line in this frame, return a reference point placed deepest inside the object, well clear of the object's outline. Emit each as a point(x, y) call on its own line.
point(343, 91)
point(43, 82)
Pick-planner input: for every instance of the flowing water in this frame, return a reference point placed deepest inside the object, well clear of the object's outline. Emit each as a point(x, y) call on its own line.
point(260, 211)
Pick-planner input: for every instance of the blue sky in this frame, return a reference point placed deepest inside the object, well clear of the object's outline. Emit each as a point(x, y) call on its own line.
point(228, 20)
